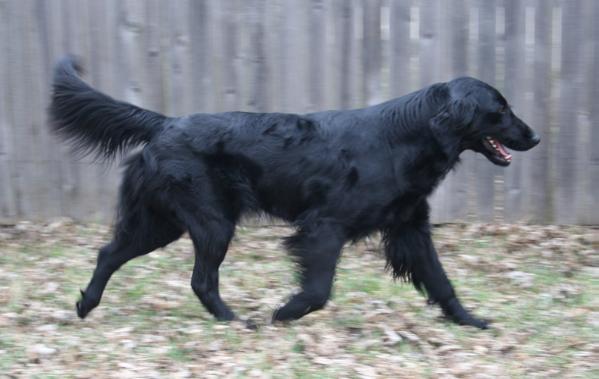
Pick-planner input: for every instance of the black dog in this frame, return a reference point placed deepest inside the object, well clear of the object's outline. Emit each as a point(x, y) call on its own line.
point(336, 175)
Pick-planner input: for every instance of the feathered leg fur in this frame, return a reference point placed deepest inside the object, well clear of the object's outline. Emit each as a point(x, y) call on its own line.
point(411, 256)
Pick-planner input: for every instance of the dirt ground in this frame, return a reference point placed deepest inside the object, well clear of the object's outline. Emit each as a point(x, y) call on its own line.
point(539, 285)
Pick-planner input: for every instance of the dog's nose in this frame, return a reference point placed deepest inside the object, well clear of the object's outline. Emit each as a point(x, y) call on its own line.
point(535, 139)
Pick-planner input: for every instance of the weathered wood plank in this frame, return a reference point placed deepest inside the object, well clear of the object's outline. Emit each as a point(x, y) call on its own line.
point(132, 57)
point(20, 114)
point(230, 56)
point(568, 108)
point(371, 52)
point(514, 89)
point(400, 47)
point(455, 188)
point(331, 59)
point(199, 39)
point(484, 173)
point(344, 33)
point(295, 56)
point(8, 204)
point(41, 189)
point(103, 67)
point(258, 97)
point(593, 190)
point(540, 209)
point(583, 161)
point(430, 53)
point(177, 49)
point(317, 56)
point(430, 72)
point(153, 60)
point(54, 32)
point(82, 202)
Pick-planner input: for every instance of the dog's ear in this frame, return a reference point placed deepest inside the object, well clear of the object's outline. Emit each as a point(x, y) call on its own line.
point(451, 124)
point(456, 115)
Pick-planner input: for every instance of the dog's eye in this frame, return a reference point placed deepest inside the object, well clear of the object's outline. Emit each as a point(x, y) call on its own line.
point(494, 117)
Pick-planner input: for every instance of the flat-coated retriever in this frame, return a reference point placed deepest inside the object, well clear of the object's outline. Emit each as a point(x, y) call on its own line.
point(335, 175)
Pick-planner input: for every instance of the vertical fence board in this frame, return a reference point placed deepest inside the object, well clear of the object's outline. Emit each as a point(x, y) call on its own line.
point(344, 33)
point(540, 194)
point(295, 55)
point(583, 161)
point(566, 149)
point(64, 42)
point(177, 50)
point(456, 184)
point(42, 189)
point(317, 55)
point(20, 111)
point(132, 57)
point(400, 47)
point(594, 112)
point(258, 96)
point(153, 58)
point(484, 171)
point(85, 171)
point(56, 47)
point(356, 78)
point(7, 196)
point(199, 37)
point(514, 91)
point(371, 52)
point(103, 67)
point(429, 66)
point(430, 57)
point(230, 43)
point(331, 63)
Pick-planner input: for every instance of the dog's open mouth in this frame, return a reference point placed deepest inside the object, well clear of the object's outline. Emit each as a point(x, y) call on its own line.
point(496, 151)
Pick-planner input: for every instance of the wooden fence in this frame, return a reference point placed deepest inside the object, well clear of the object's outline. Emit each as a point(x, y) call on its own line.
point(184, 56)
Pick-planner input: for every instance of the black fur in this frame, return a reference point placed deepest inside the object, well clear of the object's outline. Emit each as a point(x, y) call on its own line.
point(110, 126)
point(336, 176)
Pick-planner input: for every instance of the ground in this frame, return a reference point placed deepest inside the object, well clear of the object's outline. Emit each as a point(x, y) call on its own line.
point(539, 285)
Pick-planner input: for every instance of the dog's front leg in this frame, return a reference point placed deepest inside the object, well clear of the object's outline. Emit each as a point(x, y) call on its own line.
point(317, 248)
point(411, 254)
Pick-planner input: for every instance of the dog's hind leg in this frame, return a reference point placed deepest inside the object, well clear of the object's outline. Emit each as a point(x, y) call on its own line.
point(317, 248)
point(136, 234)
point(211, 240)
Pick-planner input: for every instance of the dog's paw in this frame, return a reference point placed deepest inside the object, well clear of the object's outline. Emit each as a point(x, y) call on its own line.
point(81, 312)
point(473, 321)
point(82, 306)
point(476, 322)
point(278, 318)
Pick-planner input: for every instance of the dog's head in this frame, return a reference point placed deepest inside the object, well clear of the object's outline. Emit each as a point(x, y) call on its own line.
point(482, 120)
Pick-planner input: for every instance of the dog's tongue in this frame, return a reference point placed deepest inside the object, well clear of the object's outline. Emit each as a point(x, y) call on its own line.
point(501, 149)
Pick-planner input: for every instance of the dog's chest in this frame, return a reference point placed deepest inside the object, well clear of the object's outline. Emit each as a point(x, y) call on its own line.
point(419, 170)
point(403, 206)
point(421, 179)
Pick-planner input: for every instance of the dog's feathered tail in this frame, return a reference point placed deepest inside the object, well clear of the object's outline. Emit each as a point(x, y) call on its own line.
point(93, 121)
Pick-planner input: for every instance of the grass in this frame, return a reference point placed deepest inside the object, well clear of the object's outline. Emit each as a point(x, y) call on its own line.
point(150, 323)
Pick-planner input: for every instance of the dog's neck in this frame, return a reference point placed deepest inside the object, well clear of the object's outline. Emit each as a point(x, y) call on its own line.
point(407, 123)
point(407, 119)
